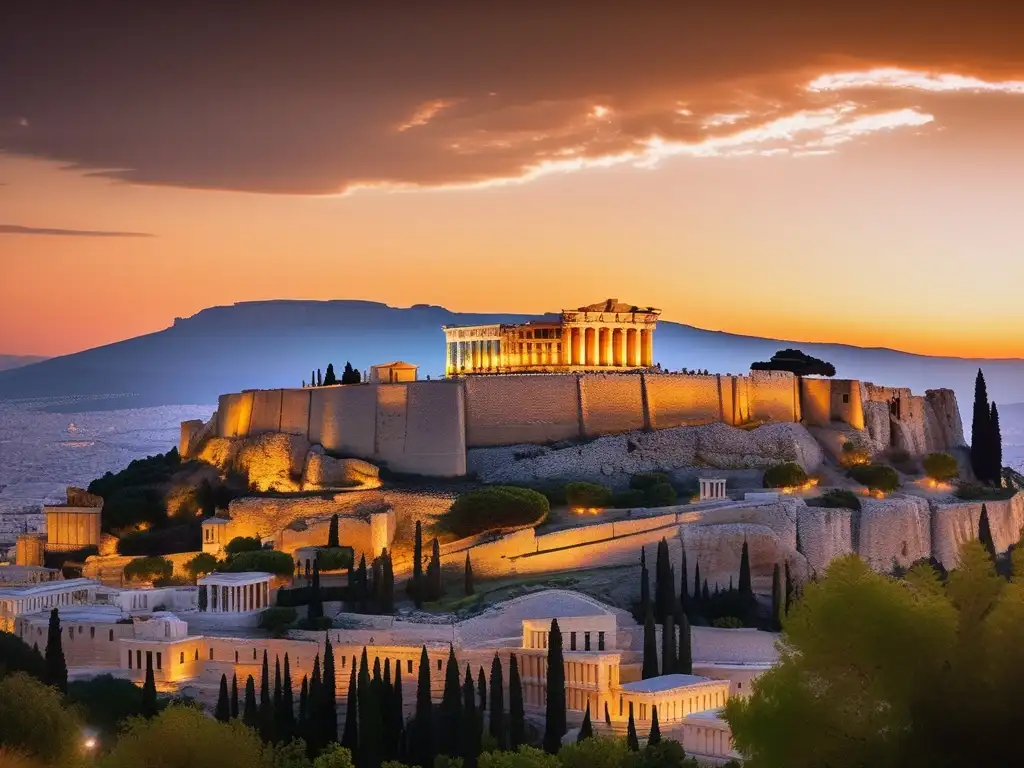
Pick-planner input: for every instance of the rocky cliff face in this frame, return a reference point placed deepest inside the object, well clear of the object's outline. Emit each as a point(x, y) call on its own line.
point(272, 462)
point(921, 425)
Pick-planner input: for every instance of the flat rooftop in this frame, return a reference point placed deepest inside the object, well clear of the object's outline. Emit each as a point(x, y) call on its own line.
point(664, 683)
point(227, 579)
point(16, 591)
point(82, 614)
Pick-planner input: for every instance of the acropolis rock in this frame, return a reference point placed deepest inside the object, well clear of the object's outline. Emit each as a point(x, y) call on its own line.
point(272, 461)
point(719, 548)
point(894, 531)
point(323, 472)
point(955, 524)
point(825, 534)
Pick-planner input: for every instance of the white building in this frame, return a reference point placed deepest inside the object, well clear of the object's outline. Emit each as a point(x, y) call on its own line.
point(235, 592)
point(20, 600)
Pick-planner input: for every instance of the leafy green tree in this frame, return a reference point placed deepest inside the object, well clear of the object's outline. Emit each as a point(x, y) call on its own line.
point(423, 725)
point(250, 714)
point(524, 757)
point(200, 565)
point(222, 711)
point(941, 467)
point(149, 703)
point(587, 729)
point(471, 725)
point(554, 713)
point(596, 752)
point(34, 722)
point(183, 737)
point(650, 665)
point(330, 379)
point(516, 714)
point(631, 738)
point(56, 666)
point(335, 756)
point(350, 734)
point(496, 721)
point(665, 753)
point(332, 532)
point(241, 544)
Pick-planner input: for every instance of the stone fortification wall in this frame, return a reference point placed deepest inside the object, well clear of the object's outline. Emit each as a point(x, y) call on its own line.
point(894, 531)
point(685, 400)
point(611, 403)
point(924, 424)
point(954, 524)
point(825, 534)
point(774, 396)
point(506, 410)
point(344, 419)
point(234, 414)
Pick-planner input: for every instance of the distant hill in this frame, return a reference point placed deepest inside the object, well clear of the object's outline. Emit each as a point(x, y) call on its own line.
point(277, 343)
point(10, 362)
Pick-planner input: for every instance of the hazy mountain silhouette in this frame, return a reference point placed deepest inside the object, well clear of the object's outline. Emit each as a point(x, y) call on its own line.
point(278, 343)
point(9, 362)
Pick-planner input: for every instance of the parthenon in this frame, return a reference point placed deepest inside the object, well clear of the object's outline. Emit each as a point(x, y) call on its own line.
point(607, 336)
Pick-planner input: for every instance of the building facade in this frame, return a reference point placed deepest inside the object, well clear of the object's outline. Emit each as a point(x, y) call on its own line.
point(609, 336)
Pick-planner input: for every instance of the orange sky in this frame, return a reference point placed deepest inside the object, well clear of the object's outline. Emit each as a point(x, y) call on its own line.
point(812, 199)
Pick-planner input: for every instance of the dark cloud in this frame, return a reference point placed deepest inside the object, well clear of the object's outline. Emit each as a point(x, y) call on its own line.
point(15, 229)
point(316, 98)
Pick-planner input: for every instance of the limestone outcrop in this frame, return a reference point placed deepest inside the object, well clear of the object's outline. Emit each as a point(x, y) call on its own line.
point(613, 459)
point(719, 548)
point(194, 434)
point(955, 524)
point(272, 461)
point(897, 418)
point(949, 428)
point(895, 530)
point(825, 534)
point(323, 472)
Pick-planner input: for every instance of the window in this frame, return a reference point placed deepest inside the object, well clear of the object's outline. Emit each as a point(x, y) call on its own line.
point(92, 632)
point(846, 398)
point(211, 654)
point(197, 654)
point(438, 665)
point(586, 641)
point(408, 666)
point(600, 641)
point(344, 661)
point(111, 635)
point(572, 641)
point(181, 658)
point(254, 654)
point(129, 659)
point(159, 657)
point(138, 659)
point(236, 657)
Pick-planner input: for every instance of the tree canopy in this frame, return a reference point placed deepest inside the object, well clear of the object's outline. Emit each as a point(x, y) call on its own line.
point(797, 363)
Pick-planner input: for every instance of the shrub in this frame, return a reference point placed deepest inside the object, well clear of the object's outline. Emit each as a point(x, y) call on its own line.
point(18, 656)
point(630, 499)
point(979, 492)
point(266, 560)
point(727, 622)
point(243, 544)
point(660, 495)
point(877, 477)
point(785, 475)
point(148, 569)
point(836, 498)
point(496, 506)
point(854, 455)
point(335, 558)
point(587, 495)
point(185, 537)
point(277, 619)
point(201, 564)
point(941, 467)
point(553, 492)
point(642, 481)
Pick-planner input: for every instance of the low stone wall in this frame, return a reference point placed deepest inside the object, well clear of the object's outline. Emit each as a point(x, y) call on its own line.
point(733, 646)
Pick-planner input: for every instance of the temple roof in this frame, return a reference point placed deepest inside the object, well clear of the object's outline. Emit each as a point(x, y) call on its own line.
point(614, 305)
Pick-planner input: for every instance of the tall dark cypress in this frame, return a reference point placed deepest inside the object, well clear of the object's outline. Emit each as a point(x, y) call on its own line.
point(981, 458)
point(451, 708)
point(389, 739)
point(303, 724)
point(778, 599)
point(645, 583)
point(587, 729)
point(397, 712)
point(496, 714)
point(436, 584)
point(266, 713)
point(234, 697)
point(481, 689)
point(332, 532)
point(632, 742)
point(363, 588)
point(995, 446)
point(315, 609)
point(388, 591)
point(655, 735)
point(329, 695)
point(369, 718)
point(745, 587)
point(471, 735)
point(222, 711)
point(56, 666)
point(695, 602)
point(664, 584)
point(468, 577)
point(668, 645)
point(516, 715)
point(423, 725)
point(314, 728)
point(416, 586)
point(554, 714)
point(278, 700)
point(650, 664)
point(288, 731)
point(684, 665)
point(149, 708)
point(985, 533)
point(350, 735)
point(250, 714)
point(705, 594)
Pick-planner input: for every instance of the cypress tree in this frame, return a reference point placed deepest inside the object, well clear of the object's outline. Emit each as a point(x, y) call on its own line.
point(434, 571)
point(481, 689)
point(234, 697)
point(789, 589)
point(705, 594)
point(314, 729)
point(330, 378)
point(397, 713)
point(288, 731)
point(516, 716)
point(586, 730)
point(149, 708)
point(470, 723)
point(423, 740)
point(995, 446)
point(278, 702)
point(981, 459)
point(664, 584)
point(56, 667)
point(645, 584)
point(496, 722)
point(799, 544)
point(312, 378)
point(985, 533)
point(685, 664)
point(315, 610)
point(222, 711)
point(554, 716)
point(388, 573)
point(390, 735)
point(416, 585)
point(668, 645)
point(746, 590)
point(607, 715)
point(350, 735)
point(655, 735)
point(266, 712)
point(250, 715)
point(363, 589)
point(332, 532)
point(696, 601)
point(684, 590)
point(319, 378)
point(451, 708)
point(369, 721)
point(377, 583)
point(329, 695)
point(650, 666)
point(778, 599)
point(632, 742)
point(303, 725)
point(469, 575)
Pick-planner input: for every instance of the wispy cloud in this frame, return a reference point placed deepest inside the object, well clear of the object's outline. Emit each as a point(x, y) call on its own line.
point(906, 79)
point(425, 113)
point(16, 229)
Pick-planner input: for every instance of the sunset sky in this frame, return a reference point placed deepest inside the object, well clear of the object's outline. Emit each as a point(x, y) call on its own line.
point(839, 172)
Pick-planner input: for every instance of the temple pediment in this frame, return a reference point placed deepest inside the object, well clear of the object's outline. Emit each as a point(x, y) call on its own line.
point(616, 306)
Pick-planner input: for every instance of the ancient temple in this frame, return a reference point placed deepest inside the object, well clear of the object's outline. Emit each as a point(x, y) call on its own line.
point(610, 336)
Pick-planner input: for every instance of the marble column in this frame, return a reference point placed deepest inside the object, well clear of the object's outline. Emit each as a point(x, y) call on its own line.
point(633, 347)
point(567, 350)
point(647, 337)
point(579, 353)
point(620, 347)
point(606, 347)
point(591, 346)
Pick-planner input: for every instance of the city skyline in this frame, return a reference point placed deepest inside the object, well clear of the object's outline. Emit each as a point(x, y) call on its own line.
point(844, 177)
